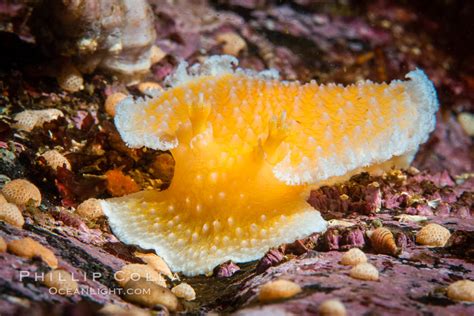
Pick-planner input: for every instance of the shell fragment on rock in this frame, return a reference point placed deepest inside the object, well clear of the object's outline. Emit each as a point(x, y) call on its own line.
point(232, 42)
point(405, 218)
point(150, 88)
point(467, 122)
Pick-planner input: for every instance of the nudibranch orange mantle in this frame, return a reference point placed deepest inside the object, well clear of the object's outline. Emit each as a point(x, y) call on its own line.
point(249, 148)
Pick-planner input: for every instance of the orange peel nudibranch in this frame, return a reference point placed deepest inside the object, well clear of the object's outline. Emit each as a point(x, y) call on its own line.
point(248, 149)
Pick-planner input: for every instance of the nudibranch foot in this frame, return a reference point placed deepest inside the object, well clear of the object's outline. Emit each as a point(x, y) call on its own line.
point(149, 220)
point(249, 148)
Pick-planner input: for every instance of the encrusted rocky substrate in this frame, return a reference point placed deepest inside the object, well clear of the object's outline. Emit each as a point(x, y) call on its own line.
point(414, 282)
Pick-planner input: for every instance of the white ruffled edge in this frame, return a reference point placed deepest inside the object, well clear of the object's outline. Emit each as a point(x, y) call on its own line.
point(291, 228)
point(129, 118)
point(216, 65)
point(422, 95)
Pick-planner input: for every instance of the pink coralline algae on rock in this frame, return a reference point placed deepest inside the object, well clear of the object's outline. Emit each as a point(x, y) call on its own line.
point(416, 193)
point(430, 194)
point(342, 200)
point(339, 238)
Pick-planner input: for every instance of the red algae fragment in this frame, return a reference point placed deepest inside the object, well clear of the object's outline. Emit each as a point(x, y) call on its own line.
point(119, 184)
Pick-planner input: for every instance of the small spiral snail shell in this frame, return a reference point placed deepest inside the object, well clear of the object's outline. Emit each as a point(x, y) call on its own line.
point(383, 242)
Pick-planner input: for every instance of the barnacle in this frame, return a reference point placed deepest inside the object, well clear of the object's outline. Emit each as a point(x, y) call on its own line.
point(364, 271)
point(112, 101)
point(70, 79)
point(150, 294)
point(55, 159)
point(119, 310)
point(29, 119)
point(233, 44)
point(433, 235)
point(462, 290)
point(149, 88)
point(277, 290)
point(467, 122)
point(248, 149)
point(185, 291)
point(61, 282)
point(155, 262)
point(90, 209)
point(21, 191)
point(134, 270)
point(29, 248)
point(332, 307)
point(11, 214)
point(353, 257)
point(3, 245)
point(383, 241)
